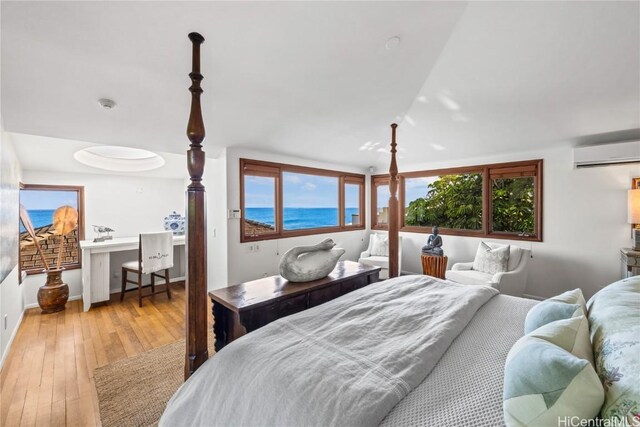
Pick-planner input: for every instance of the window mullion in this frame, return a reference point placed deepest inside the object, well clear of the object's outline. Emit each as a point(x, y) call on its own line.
point(487, 216)
point(341, 202)
point(279, 205)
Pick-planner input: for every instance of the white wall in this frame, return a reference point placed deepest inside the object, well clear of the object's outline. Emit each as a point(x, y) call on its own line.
point(11, 301)
point(215, 181)
point(128, 204)
point(245, 265)
point(585, 214)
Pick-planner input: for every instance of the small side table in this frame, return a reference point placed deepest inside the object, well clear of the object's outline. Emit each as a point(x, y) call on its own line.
point(434, 266)
point(629, 263)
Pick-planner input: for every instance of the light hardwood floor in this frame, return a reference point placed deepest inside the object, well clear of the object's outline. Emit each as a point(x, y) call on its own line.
point(47, 378)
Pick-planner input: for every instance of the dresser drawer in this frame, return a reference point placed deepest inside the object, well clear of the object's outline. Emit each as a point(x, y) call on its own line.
point(353, 284)
point(259, 317)
point(292, 305)
point(320, 296)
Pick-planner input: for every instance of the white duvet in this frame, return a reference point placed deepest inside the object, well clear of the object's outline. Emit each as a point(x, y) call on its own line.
point(344, 363)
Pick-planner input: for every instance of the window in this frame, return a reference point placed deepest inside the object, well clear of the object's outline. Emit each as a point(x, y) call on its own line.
point(310, 201)
point(279, 200)
point(260, 188)
point(448, 201)
point(513, 200)
point(353, 195)
point(380, 202)
point(40, 201)
point(497, 201)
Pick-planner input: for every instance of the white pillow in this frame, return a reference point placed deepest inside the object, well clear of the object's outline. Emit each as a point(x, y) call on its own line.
point(380, 245)
point(490, 260)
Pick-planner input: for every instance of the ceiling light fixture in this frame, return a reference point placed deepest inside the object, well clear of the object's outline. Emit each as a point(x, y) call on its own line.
point(392, 43)
point(107, 104)
point(119, 159)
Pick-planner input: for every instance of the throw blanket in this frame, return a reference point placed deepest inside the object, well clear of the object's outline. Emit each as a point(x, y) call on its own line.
point(347, 362)
point(157, 251)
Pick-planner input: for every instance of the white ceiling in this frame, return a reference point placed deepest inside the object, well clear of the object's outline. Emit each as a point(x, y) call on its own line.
point(313, 79)
point(40, 153)
point(519, 76)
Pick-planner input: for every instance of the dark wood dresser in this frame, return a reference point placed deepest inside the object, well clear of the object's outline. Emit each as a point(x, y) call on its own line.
point(243, 308)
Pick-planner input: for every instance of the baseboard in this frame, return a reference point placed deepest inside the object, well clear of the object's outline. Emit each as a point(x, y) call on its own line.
point(10, 342)
point(537, 298)
point(35, 305)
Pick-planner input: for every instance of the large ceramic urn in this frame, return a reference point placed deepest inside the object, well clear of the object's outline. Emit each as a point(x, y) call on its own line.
point(53, 296)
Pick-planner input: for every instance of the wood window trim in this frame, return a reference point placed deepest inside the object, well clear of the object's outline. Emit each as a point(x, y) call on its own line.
point(80, 191)
point(491, 171)
point(249, 167)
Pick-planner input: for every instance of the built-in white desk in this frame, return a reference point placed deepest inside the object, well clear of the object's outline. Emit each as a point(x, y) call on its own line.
point(96, 265)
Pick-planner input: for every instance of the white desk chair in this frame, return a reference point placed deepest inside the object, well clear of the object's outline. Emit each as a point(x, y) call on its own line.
point(377, 253)
point(149, 245)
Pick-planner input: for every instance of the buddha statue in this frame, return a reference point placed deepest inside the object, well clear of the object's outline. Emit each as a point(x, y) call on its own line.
point(434, 243)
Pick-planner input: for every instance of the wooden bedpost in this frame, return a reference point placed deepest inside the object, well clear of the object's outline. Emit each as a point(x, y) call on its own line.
point(196, 245)
point(393, 207)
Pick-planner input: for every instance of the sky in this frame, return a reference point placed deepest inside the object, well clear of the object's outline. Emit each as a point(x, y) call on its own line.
point(259, 192)
point(300, 191)
point(414, 189)
point(47, 199)
point(417, 187)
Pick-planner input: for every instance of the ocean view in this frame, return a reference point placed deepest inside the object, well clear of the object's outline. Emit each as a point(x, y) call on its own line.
point(299, 218)
point(39, 218)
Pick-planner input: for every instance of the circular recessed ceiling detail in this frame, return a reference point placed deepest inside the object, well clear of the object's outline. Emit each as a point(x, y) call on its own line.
point(119, 159)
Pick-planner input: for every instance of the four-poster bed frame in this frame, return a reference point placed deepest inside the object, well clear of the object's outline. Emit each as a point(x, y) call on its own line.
point(196, 247)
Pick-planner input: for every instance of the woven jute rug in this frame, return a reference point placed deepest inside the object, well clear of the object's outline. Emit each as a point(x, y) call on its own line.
point(135, 391)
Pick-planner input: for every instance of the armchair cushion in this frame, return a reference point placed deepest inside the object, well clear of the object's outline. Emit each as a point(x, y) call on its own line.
point(376, 261)
point(462, 266)
point(379, 245)
point(491, 260)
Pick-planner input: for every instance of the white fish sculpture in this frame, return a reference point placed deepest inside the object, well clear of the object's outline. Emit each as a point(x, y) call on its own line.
point(309, 263)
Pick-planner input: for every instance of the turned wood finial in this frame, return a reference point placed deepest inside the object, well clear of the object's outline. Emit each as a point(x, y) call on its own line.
point(393, 168)
point(195, 127)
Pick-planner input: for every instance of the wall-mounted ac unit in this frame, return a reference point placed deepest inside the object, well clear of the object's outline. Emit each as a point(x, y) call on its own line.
point(606, 154)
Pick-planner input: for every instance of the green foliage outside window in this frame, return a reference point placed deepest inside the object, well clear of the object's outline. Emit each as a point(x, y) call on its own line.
point(455, 201)
point(513, 205)
point(451, 201)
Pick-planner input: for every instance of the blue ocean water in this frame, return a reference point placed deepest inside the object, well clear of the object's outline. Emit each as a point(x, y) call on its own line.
point(39, 218)
point(299, 218)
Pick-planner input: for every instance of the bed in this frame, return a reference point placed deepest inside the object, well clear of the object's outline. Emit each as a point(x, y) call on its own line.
point(406, 351)
point(412, 350)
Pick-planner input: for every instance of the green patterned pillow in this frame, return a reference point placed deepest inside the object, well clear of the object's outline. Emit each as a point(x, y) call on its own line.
point(544, 383)
point(549, 311)
point(614, 319)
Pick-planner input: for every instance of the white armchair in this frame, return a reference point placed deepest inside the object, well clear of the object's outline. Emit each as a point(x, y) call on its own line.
point(379, 260)
point(511, 282)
